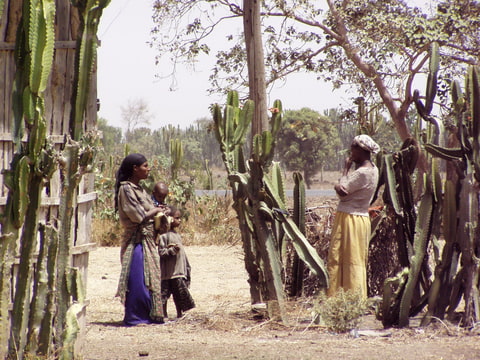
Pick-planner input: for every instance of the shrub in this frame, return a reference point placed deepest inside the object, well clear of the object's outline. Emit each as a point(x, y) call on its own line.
point(106, 232)
point(341, 313)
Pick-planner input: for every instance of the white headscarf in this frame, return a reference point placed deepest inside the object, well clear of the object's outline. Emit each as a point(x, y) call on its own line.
point(366, 143)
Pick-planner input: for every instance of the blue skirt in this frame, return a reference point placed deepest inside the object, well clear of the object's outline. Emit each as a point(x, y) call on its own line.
point(138, 302)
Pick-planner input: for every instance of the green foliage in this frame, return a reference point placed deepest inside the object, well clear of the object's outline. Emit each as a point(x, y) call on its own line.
point(306, 142)
point(180, 193)
point(341, 312)
point(215, 217)
point(104, 204)
point(111, 136)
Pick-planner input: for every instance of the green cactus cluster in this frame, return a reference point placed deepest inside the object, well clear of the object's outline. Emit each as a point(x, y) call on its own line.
point(455, 202)
point(260, 202)
point(457, 272)
point(45, 292)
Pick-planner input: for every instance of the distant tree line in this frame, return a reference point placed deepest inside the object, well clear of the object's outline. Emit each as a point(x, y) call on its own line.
point(309, 142)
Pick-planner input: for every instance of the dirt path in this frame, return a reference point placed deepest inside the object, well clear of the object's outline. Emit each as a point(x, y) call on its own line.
point(222, 327)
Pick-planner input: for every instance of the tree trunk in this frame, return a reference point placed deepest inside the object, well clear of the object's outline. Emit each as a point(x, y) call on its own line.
point(272, 289)
point(256, 65)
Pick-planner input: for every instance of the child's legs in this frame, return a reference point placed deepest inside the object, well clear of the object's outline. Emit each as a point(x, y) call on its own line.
point(181, 296)
point(166, 292)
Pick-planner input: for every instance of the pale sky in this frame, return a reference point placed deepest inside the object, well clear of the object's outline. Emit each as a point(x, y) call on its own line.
point(126, 72)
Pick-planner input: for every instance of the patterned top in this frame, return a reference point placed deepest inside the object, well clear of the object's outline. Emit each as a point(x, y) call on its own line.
point(133, 204)
point(360, 185)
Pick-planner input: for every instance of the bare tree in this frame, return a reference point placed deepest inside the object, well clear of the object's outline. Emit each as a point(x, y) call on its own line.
point(135, 114)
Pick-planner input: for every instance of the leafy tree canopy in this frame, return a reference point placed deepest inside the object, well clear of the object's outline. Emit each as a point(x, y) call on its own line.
point(376, 48)
point(306, 141)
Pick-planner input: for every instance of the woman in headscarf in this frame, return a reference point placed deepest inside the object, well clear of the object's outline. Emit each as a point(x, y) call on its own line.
point(139, 287)
point(347, 256)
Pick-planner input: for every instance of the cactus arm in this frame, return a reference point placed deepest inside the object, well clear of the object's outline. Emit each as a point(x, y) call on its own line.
point(278, 184)
point(432, 78)
point(90, 12)
point(243, 125)
point(20, 199)
point(304, 249)
point(176, 156)
point(71, 331)
point(229, 126)
point(298, 266)
point(392, 289)
point(392, 185)
point(422, 234)
point(39, 328)
point(28, 244)
point(218, 119)
point(445, 153)
point(46, 331)
point(475, 102)
point(277, 118)
point(233, 99)
point(299, 201)
point(66, 211)
point(267, 147)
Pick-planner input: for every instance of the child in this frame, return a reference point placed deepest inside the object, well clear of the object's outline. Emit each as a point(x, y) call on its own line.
point(175, 268)
point(160, 192)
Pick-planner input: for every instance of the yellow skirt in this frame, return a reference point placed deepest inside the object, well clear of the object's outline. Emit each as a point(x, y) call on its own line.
point(347, 255)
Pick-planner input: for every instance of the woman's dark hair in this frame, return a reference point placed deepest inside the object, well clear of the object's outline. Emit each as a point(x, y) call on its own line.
point(125, 171)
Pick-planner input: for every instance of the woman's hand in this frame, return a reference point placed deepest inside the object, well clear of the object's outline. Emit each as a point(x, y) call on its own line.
point(348, 165)
point(152, 212)
point(341, 190)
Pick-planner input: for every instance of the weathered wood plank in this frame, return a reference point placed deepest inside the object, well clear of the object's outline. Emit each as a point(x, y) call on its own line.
point(10, 69)
point(3, 89)
point(62, 20)
point(14, 15)
point(55, 139)
point(55, 200)
point(58, 90)
point(3, 149)
point(4, 20)
point(91, 113)
point(68, 90)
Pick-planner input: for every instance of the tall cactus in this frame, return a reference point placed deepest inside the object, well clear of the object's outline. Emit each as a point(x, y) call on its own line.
point(90, 12)
point(34, 50)
point(413, 281)
point(457, 273)
point(176, 156)
point(259, 200)
point(299, 218)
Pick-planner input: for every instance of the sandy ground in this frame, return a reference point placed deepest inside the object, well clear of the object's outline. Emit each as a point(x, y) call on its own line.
point(222, 326)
